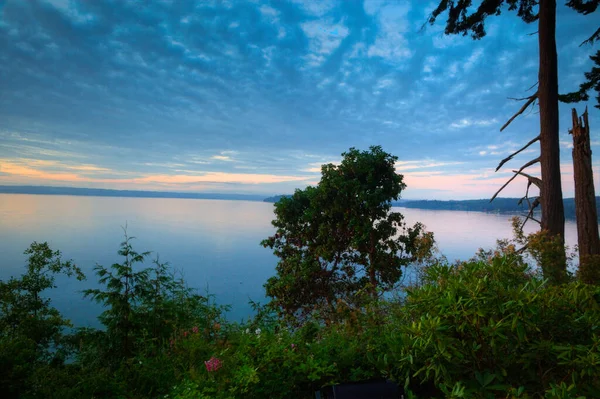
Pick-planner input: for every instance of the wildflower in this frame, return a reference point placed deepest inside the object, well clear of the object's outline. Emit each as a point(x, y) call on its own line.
point(247, 331)
point(185, 334)
point(213, 364)
point(258, 331)
point(195, 329)
point(293, 346)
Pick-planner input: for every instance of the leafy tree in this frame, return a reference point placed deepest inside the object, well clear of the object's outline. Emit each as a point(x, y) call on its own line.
point(464, 18)
point(31, 330)
point(339, 239)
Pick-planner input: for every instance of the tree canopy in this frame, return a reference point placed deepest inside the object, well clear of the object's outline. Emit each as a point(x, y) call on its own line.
point(340, 238)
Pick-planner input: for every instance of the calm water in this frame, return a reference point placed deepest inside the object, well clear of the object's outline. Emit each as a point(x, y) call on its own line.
point(215, 243)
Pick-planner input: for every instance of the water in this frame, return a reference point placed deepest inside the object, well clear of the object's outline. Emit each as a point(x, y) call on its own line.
point(215, 243)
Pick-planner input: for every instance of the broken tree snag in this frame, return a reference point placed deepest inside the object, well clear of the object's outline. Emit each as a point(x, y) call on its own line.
point(529, 101)
point(585, 200)
point(511, 156)
point(516, 173)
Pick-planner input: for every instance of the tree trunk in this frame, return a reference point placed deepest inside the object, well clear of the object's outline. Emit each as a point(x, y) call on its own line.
point(585, 201)
point(553, 217)
point(372, 274)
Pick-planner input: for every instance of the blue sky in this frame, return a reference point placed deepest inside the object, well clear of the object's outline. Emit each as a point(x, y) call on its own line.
point(252, 97)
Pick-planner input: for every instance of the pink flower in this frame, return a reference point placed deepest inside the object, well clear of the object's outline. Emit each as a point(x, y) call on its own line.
point(185, 334)
point(195, 330)
point(293, 346)
point(213, 364)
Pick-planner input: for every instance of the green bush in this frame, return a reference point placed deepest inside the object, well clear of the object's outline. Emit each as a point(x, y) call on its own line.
point(494, 329)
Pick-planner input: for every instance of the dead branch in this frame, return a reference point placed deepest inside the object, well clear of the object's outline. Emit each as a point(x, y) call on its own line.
point(535, 204)
point(526, 197)
point(530, 100)
point(516, 173)
point(505, 160)
point(533, 179)
point(532, 86)
point(518, 98)
point(520, 251)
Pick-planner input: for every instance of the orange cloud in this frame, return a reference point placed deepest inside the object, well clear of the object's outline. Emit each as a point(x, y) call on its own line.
point(219, 177)
point(33, 169)
point(28, 172)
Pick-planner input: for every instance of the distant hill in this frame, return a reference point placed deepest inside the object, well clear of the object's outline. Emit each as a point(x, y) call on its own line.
point(499, 205)
point(275, 198)
point(100, 192)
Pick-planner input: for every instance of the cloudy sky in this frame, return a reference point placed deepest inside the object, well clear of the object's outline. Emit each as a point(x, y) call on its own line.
point(252, 97)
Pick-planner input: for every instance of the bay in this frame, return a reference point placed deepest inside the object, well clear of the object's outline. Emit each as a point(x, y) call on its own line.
point(214, 243)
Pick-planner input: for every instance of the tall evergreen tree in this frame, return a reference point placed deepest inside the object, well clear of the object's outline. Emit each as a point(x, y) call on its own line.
point(464, 18)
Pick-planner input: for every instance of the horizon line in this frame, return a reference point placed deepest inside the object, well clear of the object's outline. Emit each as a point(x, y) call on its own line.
point(36, 190)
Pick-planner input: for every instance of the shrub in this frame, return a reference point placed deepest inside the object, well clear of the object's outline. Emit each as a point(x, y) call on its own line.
point(485, 329)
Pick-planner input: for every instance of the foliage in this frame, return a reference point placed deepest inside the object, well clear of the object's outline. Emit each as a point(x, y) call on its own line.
point(276, 362)
point(147, 311)
point(589, 269)
point(488, 329)
point(548, 252)
point(462, 18)
point(31, 330)
point(592, 78)
point(592, 82)
point(125, 290)
point(338, 242)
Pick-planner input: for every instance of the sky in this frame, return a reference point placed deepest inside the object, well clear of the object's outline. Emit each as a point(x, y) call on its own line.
point(250, 97)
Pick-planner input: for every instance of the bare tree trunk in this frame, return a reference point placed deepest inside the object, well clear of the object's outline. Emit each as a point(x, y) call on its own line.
point(585, 201)
point(553, 216)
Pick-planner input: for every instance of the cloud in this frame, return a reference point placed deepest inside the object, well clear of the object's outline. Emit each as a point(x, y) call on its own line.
point(324, 39)
point(422, 164)
point(109, 93)
point(391, 43)
point(55, 171)
point(466, 122)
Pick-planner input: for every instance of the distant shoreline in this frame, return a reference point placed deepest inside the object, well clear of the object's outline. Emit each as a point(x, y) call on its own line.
point(504, 206)
point(499, 205)
point(101, 192)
